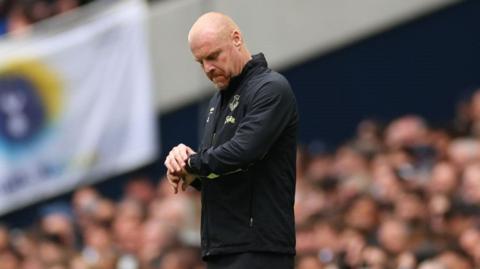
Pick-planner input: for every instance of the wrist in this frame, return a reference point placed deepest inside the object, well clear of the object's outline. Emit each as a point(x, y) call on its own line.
point(188, 165)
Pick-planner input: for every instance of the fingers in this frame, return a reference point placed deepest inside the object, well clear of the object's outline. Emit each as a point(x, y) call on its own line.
point(190, 151)
point(182, 152)
point(174, 164)
point(168, 164)
point(174, 187)
point(177, 157)
point(173, 180)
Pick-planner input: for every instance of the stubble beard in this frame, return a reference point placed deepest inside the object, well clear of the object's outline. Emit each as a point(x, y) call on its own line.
point(221, 85)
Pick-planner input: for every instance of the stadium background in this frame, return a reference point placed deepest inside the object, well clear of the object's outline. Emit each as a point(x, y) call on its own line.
point(347, 62)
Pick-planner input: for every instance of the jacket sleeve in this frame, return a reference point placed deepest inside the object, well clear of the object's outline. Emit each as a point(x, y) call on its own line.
point(269, 113)
point(197, 184)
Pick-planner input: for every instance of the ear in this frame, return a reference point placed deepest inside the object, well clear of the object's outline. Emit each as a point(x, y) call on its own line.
point(237, 38)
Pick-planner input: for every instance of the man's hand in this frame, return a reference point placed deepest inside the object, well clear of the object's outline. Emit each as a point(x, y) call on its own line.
point(173, 180)
point(176, 159)
point(175, 163)
point(187, 180)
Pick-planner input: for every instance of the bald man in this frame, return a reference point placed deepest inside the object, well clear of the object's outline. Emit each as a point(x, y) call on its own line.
point(245, 165)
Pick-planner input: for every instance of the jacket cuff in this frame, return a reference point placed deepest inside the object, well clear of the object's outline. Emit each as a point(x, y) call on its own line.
point(197, 184)
point(193, 165)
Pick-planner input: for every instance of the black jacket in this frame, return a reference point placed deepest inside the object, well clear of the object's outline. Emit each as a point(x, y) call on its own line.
point(246, 164)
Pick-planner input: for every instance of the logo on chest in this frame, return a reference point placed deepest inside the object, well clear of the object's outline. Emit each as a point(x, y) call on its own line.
point(229, 119)
point(234, 102)
point(233, 105)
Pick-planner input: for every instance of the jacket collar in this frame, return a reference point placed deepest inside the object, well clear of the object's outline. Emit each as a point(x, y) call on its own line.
point(257, 61)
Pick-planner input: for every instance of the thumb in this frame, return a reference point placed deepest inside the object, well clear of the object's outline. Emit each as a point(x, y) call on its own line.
point(190, 151)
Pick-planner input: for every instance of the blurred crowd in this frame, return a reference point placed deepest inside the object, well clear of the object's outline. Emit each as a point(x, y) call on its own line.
point(149, 228)
point(403, 195)
point(17, 15)
point(400, 195)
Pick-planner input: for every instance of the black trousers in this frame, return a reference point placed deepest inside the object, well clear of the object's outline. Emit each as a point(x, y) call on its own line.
point(251, 260)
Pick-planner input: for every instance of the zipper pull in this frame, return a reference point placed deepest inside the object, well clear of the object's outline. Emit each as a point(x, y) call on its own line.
point(251, 222)
point(213, 139)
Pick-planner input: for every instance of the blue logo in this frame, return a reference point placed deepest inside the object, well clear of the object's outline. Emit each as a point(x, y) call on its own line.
point(22, 114)
point(29, 106)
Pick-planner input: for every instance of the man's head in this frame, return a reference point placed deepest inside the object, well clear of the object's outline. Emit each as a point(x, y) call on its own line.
point(217, 44)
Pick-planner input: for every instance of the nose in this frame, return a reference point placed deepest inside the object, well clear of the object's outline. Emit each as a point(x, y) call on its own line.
point(208, 67)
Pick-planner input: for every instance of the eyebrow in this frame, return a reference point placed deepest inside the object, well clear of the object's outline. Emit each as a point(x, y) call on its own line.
point(213, 55)
point(210, 56)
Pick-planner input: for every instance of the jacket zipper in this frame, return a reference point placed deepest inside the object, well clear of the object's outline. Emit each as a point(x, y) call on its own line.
point(216, 117)
point(212, 143)
point(251, 201)
point(207, 241)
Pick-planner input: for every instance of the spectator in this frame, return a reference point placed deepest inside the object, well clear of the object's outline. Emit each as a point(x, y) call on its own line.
point(394, 235)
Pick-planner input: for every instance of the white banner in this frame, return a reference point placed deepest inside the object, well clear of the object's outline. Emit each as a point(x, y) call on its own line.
point(75, 103)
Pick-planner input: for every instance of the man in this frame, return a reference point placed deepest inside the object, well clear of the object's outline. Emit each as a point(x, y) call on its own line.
point(245, 165)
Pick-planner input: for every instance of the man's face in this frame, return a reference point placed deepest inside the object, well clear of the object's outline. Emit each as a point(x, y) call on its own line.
point(216, 55)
